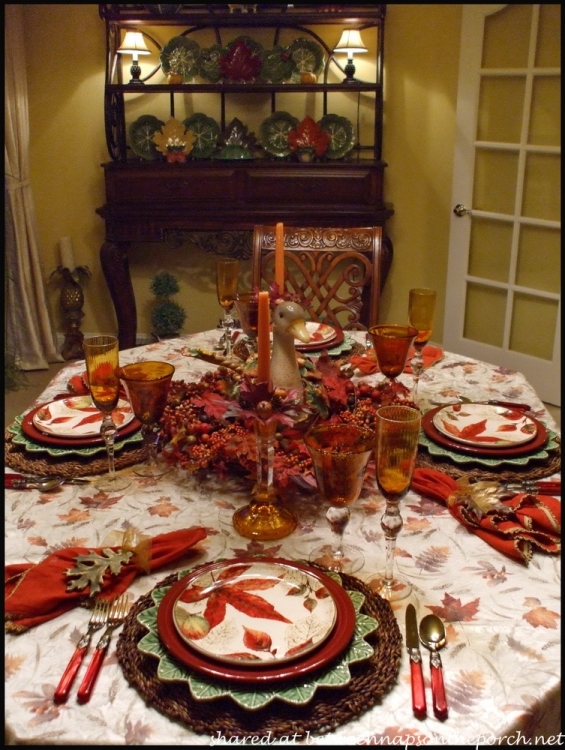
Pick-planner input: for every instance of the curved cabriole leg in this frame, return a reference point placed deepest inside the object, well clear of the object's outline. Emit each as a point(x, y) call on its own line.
point(115, 267)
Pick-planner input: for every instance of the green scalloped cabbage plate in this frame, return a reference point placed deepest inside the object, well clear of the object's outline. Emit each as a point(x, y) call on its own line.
point(57, 452)
point(202, 689)
point(437, 450)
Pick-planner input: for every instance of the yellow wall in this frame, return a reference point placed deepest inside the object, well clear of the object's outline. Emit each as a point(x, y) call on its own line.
point(65, 52)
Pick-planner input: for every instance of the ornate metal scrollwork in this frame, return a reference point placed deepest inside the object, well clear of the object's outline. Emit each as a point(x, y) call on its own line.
point(230, 244)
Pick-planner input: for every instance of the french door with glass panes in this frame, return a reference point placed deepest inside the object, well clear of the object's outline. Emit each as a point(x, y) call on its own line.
point(503, 293)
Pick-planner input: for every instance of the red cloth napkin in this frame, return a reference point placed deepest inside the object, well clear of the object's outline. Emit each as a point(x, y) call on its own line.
point(78, 385)
point(368, 365)
point(36, 593)
point(515, 526)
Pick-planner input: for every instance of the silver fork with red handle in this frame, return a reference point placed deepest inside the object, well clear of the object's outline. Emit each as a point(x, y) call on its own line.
point(118, 612)
point(98, 619)
point(532, 487)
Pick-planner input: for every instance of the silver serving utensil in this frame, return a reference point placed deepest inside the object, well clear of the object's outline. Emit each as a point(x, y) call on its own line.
point(492, 402)
point(416, 676)
point(97, 620)
point(33, 482)
point(432, 635)
point(118, 612)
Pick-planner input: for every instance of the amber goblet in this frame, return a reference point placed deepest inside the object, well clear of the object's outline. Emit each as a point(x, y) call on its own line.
point(147, 384)
point(392, 343)
point(247, 306)
point(421, 311)
point(398, 432)
point(227, 278)
point(101, 354)
point(340, 454)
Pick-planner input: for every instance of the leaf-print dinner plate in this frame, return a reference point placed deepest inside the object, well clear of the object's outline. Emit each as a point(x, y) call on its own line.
point(255, 613)
point(431, 431)
point(263, 672)
point(322, 336)
point(77, 417)
point(36, 440)
point(485, 425)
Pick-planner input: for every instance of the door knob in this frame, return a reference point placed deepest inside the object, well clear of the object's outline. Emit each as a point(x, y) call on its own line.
point(461, 210)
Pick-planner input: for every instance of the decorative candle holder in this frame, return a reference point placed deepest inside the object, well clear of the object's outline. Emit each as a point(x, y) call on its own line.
point(265, 519)
point(72, 300)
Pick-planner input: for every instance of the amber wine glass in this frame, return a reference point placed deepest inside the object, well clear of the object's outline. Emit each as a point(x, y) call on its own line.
point(392, 343)
point(340, 453)
point(227, 279)
point(247, 306)
point(421, 311)
point(398, 432)
point(147, 384)
point(101, 354)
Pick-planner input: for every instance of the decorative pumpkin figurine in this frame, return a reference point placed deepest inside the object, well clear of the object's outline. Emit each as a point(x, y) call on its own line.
point(288, 324)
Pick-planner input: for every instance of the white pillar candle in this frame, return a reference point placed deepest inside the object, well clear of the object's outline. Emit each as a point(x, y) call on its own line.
point(67, 256)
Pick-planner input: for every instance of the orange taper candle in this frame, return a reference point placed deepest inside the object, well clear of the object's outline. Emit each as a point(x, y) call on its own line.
point(279, 256)
point(263, 339)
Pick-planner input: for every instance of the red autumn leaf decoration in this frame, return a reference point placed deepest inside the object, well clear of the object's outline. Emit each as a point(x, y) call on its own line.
point(513, 414)
point(309, 134)
point(257, 640)
point(541, 616)
point(454, 611)
point(240, 63)
point(336, 385)
point(470, 431)
point(299, 648)
point(214, 405)
point(90, 419)
point(237, 594)
point(104, 373)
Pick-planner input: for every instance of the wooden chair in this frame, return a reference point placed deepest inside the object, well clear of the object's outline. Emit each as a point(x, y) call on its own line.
point(338, 273)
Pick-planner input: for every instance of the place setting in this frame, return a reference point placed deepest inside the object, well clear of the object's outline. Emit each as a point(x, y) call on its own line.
point(286, 632)
point(83, 433)
point(488, 441)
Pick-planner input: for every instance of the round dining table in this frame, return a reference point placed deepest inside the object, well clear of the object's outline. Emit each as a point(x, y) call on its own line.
point(501, 661)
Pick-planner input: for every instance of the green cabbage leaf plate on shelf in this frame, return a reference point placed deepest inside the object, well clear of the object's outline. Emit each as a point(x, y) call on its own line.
point(273, 133)
point(307, 57)
point(342, 135)
point(277, 65)
point(206, 131)
point(180, 55)
point(141, 133)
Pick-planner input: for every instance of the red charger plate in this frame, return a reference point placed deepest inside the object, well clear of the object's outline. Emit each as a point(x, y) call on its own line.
point(519, 450)
point(321, 657)
point(329, 344)
point(31, 431)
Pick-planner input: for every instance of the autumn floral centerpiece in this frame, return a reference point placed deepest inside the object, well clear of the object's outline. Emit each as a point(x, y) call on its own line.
point(209, 424)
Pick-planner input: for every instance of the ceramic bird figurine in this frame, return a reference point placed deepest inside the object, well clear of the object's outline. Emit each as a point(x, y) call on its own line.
point(288, 324)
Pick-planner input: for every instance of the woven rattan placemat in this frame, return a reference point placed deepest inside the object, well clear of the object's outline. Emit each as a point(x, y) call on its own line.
point(532, 470)
point(16, 457)
point(328, 709)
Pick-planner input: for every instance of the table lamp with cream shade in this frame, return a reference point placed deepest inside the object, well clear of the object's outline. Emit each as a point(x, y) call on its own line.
point(350, 43)
point(134, 44)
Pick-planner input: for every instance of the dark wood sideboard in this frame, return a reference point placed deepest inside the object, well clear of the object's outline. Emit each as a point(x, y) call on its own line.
point(157, 201)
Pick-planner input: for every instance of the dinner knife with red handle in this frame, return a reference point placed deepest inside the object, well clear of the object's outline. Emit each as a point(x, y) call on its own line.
point(416, 674)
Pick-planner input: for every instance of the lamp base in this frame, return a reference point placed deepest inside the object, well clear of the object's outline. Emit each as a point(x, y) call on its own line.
point(349, 71)
point(135, 71)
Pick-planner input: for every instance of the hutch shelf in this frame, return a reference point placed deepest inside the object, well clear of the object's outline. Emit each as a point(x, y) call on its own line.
point(216, 202)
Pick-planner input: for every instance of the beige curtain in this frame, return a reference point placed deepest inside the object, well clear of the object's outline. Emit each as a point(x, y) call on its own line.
point(29, 330)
